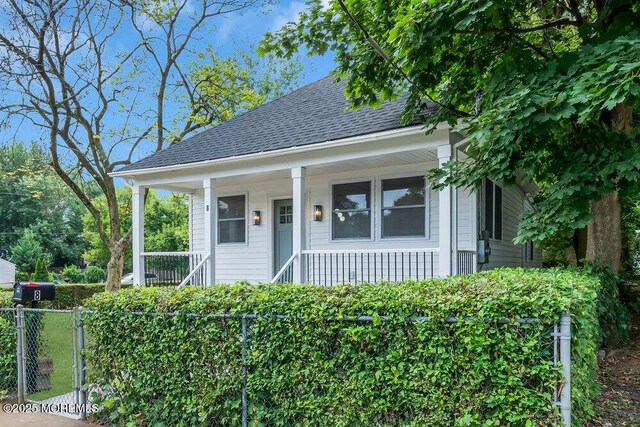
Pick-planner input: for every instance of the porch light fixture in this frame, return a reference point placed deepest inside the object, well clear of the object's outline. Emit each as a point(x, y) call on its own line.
point(257, 217)
point(317, 212)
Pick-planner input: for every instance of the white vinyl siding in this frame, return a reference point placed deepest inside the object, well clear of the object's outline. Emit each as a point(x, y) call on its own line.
point(465, 201)
point(503, 252)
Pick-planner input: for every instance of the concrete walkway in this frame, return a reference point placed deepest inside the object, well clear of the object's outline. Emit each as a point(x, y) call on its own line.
point(37, 420)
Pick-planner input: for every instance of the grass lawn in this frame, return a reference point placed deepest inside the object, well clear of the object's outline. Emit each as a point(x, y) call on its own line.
point(57, 344)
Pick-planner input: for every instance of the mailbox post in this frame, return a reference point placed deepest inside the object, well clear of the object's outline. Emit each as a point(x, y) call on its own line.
point(32, 292)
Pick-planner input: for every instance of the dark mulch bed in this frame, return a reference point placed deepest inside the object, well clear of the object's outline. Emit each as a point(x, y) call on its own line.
point(619, 403)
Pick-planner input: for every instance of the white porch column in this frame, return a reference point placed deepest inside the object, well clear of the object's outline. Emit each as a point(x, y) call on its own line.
point(210, 229)
point(445, 199)
point(137, 212)
point(299, 229)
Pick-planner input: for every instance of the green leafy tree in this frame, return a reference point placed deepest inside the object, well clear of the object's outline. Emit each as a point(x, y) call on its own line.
point(26, 252)
point(166, 226)
point(32, 197)
point(41, 274)
point(548, 88)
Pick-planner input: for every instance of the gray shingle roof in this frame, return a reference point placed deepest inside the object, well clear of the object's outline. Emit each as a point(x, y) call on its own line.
point(312, 114)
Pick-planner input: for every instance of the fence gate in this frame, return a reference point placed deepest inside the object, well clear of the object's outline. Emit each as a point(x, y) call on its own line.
point(49, 367)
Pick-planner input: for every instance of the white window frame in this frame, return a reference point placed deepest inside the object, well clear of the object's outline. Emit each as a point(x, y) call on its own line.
point(372, 207)
point(493, 220)
point(427, 207)
point(246, 219)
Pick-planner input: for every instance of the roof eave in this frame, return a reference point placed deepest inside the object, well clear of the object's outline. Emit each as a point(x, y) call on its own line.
point(359, 139)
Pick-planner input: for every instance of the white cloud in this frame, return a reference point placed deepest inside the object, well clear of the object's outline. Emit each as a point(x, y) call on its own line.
point(290, 13)
point(287, 14)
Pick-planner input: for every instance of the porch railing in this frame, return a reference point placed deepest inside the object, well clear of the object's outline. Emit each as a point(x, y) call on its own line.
point(466, 262)
point(172, 268)
point(285, 275)
point(331, 267)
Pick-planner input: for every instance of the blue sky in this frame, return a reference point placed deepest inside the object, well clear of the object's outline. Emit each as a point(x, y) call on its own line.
point(249, 27)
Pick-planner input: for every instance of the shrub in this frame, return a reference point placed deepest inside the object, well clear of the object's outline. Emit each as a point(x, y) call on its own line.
point(93, 274)
point(41, 274)
point(6, 298)
point(67, 295)
point(21, 276)
point(70, 296)
point(314, 369)
point(7, 356)
point(72, 273)
point(613, 315)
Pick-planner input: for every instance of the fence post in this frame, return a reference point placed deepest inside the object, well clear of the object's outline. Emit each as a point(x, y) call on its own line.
point(245, 403)
point(76, 382)
point(82, 367)
point(20, 354)
point(565, 360)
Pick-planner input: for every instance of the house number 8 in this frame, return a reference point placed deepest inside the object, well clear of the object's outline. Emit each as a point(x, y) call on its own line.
point(207, 208)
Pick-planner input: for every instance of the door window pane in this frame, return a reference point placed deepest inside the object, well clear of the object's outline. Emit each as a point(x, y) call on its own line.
point(404, 207)
point(286, 214)
point(351, 216)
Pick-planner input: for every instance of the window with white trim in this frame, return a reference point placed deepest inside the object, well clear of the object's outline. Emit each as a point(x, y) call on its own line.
point(404, 207)
point(232, 221)
point(351, 211)
point(493, 209)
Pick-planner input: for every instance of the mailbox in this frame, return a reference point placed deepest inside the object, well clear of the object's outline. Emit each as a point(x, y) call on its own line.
point(33, 292)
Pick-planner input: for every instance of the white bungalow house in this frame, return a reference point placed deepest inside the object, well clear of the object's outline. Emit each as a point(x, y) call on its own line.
point(302, 189)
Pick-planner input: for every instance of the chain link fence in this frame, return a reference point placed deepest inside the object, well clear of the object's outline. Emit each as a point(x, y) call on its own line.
point(253, 385)
point(43, 364)
point(52, 362)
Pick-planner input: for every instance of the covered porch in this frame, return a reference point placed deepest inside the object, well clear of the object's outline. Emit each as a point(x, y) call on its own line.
point(271, 218)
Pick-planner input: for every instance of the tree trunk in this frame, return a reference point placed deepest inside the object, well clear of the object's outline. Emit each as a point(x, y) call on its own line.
point(580, 244)
point(114, 267)
point(604, 235)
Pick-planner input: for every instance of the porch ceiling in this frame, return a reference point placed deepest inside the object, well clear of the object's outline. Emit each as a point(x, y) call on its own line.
point(367, 163)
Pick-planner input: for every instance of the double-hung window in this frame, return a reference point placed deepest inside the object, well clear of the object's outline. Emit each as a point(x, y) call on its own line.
point(231, 219)
point(404, 207)
point(493, 209)
point(351, 211)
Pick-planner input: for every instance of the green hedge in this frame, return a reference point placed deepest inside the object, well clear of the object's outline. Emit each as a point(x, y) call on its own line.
point(67, 295)
point(7, 355)
point(313, 370)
